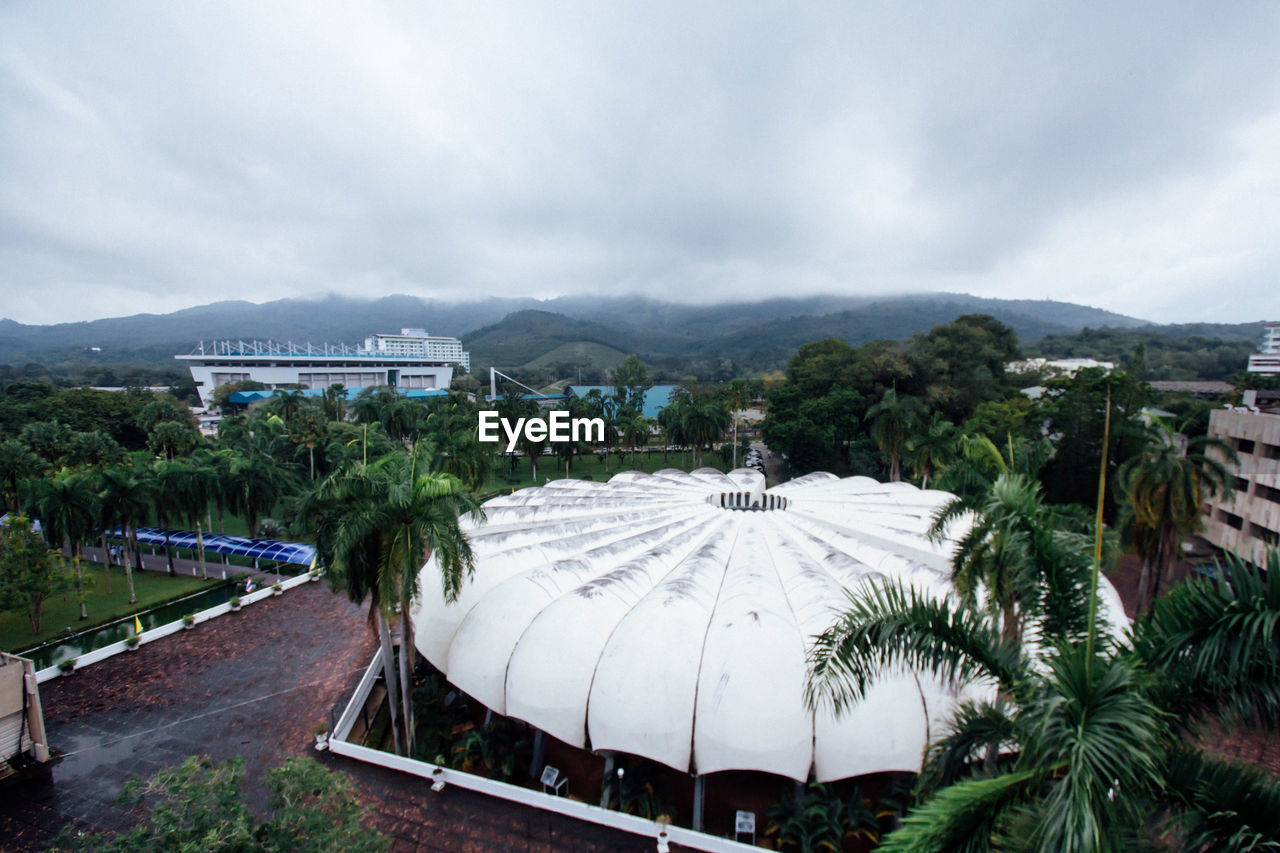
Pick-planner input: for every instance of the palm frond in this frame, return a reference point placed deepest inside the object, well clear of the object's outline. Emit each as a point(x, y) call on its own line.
point(966, 817)
point(972, 729)
point(1216, 642)
point(1093, 725)
point(1225, 806)
point(886, 625)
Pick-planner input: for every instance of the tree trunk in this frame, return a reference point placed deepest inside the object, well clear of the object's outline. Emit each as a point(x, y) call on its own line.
point(168, 550)
point(75, 560)
point(895, 467)
point(128, 572)
point(533, 463)
point(1144, 587)
point(388, 673)
point(37, 608)
point(408, 653)
point(204, 570)
point(106, 560)
point(311, 452)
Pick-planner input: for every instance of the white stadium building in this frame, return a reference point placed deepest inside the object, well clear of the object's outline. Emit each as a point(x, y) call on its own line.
point(411, 361)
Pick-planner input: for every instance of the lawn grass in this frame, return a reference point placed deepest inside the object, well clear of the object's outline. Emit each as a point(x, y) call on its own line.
point(62, 611)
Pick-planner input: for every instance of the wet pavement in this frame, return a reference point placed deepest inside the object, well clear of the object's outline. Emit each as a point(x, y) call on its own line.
point(251, 684)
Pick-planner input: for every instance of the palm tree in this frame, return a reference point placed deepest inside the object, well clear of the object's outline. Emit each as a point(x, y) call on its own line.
point(671, 419)
point(737, 394)
point(419, 524)
point(256, 482)
point(933, 449)
point(125, 496)
point(334, 401)
point(1165, 487)
point(308, 428)
point(1099, 739)
point(892, 421)
point(385, 521)
point(1026, 558)
point(704, 424)
point(635, 432)
point(288, 403)
point(168, 496)
point(200, 491)
point(67, 508)
point(17, 462)
point(331, 511)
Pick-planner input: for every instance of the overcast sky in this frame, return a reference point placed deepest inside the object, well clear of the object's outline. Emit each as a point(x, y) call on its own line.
point(157, 156)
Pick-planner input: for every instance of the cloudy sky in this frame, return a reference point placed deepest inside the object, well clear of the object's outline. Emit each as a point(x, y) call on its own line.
point(156, 156)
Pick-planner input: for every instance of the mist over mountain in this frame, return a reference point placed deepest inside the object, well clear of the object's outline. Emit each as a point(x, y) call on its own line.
point(515, 331)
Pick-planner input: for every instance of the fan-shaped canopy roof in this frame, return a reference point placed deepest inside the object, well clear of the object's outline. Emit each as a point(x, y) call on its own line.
point(669, 615)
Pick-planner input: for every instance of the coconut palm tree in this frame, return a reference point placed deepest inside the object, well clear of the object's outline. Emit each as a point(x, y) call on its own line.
point(1022, 558)
point(66, 505)
point(932, 449)
point(893, 420)
point(704, 424)
point(125, 496)
point(17, 462)
point(256, 482)
point(671, 419)
point(635, 432)
point(1165, 487)
point(333, 511)
point(168, 496)
point(395, 517)
point(1100, 739)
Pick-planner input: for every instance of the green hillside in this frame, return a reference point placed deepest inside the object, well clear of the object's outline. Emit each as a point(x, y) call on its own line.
point(578, 354)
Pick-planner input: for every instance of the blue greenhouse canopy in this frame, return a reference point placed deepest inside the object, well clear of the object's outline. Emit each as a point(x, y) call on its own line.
point(296, 553)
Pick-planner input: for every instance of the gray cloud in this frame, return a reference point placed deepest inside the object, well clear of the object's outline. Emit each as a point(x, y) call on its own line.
point(154, 156)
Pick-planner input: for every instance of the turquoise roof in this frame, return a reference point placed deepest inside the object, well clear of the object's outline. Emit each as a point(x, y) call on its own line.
point(656, 397)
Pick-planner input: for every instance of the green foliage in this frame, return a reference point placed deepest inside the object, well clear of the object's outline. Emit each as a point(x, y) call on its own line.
point(199, 805)
point(1100, 747)
point(821, 820)
point(1074, 410)
point(501, 747)
point(29, 571)
point(1166, 354)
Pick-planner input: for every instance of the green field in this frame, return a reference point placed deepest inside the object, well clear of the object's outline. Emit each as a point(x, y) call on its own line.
point(62, 612)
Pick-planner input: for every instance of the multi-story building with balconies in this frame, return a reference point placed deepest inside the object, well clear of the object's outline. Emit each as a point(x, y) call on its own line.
point(1245, 518)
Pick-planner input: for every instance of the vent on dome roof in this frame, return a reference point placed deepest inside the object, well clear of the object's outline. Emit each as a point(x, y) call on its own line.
point(747, 501)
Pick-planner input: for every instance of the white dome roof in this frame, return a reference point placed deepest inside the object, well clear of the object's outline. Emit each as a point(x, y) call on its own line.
point(642, 615)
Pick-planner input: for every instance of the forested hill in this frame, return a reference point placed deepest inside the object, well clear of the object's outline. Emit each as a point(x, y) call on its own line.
point(659, 328)
point(706, 340)
point(1190, 351)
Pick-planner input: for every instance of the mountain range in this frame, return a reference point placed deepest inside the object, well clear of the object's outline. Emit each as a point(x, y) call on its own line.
point(514, 332)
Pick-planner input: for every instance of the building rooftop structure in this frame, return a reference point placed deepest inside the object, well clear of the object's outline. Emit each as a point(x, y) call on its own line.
point(669, 616)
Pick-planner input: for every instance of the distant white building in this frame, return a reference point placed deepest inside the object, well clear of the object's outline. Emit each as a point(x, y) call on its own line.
point(411, 360)
point(1267, 360)
point(1057, 366)
point(417, 342)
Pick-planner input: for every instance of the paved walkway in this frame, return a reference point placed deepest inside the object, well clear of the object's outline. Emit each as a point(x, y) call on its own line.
point(185, 566)
point(251, 684)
